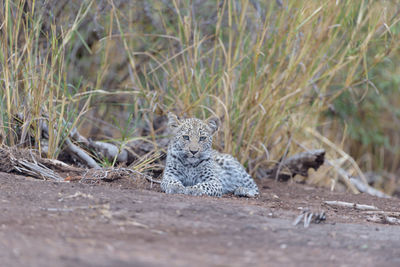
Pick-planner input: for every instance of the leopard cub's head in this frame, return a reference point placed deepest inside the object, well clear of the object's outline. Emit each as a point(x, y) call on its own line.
point(193, 137)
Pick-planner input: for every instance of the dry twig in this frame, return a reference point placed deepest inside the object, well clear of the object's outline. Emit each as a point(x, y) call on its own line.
point(350, 205)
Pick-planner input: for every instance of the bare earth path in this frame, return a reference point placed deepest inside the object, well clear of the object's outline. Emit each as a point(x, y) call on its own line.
point(116, 224)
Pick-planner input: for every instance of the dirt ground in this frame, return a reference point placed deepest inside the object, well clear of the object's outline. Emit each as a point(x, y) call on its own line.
point(118, 224)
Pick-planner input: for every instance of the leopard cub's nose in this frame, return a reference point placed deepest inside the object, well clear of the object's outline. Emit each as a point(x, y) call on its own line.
point(193, 151)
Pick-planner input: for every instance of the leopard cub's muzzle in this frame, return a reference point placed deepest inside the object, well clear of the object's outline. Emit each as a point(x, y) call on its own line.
point(194, 148)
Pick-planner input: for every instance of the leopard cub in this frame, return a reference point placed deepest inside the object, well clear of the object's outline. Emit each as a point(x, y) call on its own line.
point(194, 168)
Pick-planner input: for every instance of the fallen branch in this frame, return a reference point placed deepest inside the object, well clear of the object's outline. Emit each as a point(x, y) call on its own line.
point(355, 185)
point(365, 188)
point(81, 154)
point(109, 151)
point(350, 205)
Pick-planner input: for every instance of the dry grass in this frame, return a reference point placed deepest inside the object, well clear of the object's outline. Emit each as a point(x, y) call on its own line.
point(269, 71)
point(34, 85)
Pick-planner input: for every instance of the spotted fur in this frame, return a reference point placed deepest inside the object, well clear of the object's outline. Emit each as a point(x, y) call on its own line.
point(194, 168)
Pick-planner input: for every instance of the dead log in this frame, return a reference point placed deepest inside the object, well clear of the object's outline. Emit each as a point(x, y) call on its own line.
point(110, 151)
point(297, 164)
point(81, 154)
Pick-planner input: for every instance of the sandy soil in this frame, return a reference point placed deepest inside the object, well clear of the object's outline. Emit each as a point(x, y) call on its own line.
point(116, 224)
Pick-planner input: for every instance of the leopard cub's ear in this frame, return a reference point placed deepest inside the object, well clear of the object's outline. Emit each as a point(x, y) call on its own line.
point(173, 121)
point(213, 123)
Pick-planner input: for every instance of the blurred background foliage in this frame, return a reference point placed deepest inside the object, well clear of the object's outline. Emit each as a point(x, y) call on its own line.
point(284, 76)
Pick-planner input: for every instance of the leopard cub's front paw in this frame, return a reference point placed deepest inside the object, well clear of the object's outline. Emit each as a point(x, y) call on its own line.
point(175, 189)
point(194, 191)
point(246, 192)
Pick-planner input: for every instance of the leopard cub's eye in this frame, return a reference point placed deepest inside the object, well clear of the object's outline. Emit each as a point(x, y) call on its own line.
point(186, 137)
point(202, 138)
